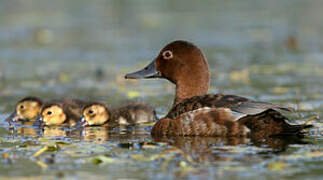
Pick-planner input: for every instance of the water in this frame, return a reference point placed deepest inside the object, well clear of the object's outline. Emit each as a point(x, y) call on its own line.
point(265, 50)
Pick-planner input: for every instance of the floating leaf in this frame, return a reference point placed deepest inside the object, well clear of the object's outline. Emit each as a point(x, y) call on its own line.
point(61, 143)
point(44, 140)
point(102, 160)
point(41, 164)
point(280, 90)
point(46, 149)
point(276, 166)
point(133, 94)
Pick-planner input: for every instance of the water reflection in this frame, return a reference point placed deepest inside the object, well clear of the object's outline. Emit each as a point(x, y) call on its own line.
point(26, 129)
point(192, 145)
point(202, 148)
point(96, 134)
point(216, 148)
point(54, 131)
point(278, 144)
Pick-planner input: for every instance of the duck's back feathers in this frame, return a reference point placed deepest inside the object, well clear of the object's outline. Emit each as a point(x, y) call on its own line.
point(234, 103)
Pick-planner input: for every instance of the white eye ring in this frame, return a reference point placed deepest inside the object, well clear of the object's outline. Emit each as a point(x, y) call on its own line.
point(167, 54)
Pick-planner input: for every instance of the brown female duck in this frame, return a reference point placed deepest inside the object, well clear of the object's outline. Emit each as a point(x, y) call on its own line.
point(97, 114)
point(194, 112)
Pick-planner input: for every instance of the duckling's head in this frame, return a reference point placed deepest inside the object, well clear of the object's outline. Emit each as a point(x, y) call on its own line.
point(95, 114)
point(27, 108)
point(53, 114)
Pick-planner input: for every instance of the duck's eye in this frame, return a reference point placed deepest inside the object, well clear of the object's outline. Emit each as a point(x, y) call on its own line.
point(167, 54)
point(49, 112)
point(91, 111)
point(22, 106)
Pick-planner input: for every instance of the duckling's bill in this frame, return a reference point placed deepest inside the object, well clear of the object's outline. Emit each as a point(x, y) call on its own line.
point(84, 122)
point(12, 117)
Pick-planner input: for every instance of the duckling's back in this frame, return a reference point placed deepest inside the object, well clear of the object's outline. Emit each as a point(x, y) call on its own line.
point(134, 113)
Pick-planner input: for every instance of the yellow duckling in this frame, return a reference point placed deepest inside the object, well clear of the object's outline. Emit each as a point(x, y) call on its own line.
point(61, 112)
point(27, 109)
point(97, 114)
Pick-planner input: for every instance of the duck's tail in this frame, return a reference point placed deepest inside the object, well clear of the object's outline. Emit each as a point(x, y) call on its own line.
point(294, 130)
point(272, 123)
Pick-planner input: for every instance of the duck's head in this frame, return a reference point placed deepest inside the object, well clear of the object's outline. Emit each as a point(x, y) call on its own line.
point(95, 114)
point(27, 108)
point(52, 114)
point(182, 63)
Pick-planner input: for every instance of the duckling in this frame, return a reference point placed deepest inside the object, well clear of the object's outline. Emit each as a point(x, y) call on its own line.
point(61, 112)
point(27, 109)
point(98, 114)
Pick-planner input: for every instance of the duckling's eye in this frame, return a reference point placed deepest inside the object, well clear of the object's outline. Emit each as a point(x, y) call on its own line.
point(167, 54)
point(49, 112)
point(91, 111)
point(22, 106)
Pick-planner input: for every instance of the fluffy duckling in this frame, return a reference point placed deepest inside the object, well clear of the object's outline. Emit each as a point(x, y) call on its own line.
point(61, 112)
point(98, 114)
point(27, 109)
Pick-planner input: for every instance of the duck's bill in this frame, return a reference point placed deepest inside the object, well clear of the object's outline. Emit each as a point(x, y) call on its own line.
point(80, 123)
point(39, 121)
point(149, 71)
point(84, 122)
point(13, 117)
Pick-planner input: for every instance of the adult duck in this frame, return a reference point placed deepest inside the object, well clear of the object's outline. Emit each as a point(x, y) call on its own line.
point(196, 113)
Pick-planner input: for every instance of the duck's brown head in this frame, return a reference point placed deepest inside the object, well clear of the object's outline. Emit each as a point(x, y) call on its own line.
point(95, 114)
point(53, 114)
point(27, 108)
point(182, 63)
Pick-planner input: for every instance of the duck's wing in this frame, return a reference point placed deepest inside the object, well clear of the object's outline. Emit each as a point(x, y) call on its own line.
point(237, 104)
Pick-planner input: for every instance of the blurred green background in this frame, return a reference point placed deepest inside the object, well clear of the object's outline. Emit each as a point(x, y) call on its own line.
point(265, 50)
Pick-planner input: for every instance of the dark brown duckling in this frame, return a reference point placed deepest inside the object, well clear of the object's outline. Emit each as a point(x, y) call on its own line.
point(185, 65)
point(98, 114)
point(27, 109)
point(61, 112)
